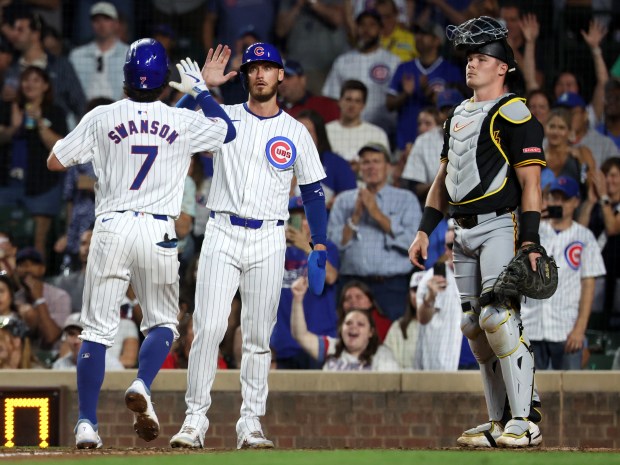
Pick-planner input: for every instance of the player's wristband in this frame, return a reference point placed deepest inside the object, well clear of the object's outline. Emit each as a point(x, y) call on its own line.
point(528, 227)
point(39, 301)
point(430, 219)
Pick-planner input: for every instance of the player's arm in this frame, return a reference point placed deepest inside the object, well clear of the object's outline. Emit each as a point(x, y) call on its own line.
point(53, 164)
point(194, 86)
point(436, 206)
point(316, 214)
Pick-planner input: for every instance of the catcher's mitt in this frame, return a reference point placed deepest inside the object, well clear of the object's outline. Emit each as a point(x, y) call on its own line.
point(519, 279)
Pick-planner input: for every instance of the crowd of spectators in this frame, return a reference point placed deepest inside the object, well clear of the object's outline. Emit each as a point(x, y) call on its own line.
point(373, 82)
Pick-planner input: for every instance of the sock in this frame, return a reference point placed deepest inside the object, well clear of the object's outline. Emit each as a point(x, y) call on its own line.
point(153, 352)
point(90, 373)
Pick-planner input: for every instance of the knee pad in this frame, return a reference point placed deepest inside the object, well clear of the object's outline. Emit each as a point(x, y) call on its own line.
point(470, 326)
point(502, 329)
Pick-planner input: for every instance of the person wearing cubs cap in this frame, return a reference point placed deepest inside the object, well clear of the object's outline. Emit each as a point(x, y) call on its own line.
point(557, 326)
point(490, 167)
point(245, 239)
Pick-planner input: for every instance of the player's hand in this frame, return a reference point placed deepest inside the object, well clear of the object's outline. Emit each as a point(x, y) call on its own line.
point(215, 65)
point(419, 249)
point(299, 288)
point(316, 271)
point(532, 256)
point(191, 79)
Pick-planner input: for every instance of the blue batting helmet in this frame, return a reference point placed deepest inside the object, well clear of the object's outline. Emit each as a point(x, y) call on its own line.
point(146, 65)
point(261, 51)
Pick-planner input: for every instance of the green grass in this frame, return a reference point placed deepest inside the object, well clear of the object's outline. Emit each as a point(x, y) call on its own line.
point(334, 457)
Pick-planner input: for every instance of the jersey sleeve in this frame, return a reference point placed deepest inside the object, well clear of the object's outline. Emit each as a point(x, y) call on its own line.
point(591, 258)
point(78, 146)
point(205, 134)
point(524, 143)
point(308, 167)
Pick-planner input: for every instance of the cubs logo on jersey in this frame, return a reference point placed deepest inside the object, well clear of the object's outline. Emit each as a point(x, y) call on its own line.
point(281, 152)
point(572, 254)
point(380, 73)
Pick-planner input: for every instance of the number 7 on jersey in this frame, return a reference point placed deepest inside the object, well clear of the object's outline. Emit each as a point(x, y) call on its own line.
point(151, 153)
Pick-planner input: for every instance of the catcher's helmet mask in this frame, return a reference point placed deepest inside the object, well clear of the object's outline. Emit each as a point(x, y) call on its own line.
point(260, 51)
point(484, 35)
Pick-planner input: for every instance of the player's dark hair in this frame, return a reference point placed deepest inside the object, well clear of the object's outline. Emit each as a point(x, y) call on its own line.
point(146, 95)
point(373, 343)
point(354, 84)
point(322, 143)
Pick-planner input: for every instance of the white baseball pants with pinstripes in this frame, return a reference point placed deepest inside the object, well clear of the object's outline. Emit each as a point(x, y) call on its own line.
point(124, 250)
point(251, 260)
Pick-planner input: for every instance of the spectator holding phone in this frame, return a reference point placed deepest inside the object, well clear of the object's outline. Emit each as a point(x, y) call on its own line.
point(320, 310)
point(439, 315)
point(556, 326)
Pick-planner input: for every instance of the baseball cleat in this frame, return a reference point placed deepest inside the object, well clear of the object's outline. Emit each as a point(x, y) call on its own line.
point(138, 401)
point(86, 436)
point(485, 435)
point(254, 440)
point(520, 433)
point(187, 438)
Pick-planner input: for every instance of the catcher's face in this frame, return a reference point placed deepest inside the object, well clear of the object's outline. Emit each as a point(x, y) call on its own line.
point(263, 80)
point(483, 70)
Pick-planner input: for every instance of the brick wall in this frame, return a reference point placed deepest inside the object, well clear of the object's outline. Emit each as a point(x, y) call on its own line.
point(336, 410)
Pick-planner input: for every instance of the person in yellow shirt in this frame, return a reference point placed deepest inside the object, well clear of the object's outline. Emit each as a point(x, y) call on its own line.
point(394, 36)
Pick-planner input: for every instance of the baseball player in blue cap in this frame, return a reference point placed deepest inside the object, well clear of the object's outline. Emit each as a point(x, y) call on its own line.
point(140, 150)
point(244, 244)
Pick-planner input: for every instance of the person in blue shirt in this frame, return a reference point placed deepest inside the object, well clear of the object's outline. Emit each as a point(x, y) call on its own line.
point(416, 82)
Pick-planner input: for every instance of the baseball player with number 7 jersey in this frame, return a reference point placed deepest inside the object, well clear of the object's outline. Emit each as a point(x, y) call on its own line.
point(245, 244)
point(140, 150)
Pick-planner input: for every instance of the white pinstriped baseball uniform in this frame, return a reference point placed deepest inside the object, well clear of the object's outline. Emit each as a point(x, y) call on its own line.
point(578, 256)
point(141, 154)
point(252, 178)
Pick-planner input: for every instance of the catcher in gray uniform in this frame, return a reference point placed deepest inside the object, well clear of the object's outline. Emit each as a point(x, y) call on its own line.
point(490, 171)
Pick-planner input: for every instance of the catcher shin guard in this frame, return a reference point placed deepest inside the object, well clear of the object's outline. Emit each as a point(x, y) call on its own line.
point(504, 333)
point(494, 388)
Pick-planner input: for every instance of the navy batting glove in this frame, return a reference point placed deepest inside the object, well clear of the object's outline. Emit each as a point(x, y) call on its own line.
point(316, 271)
